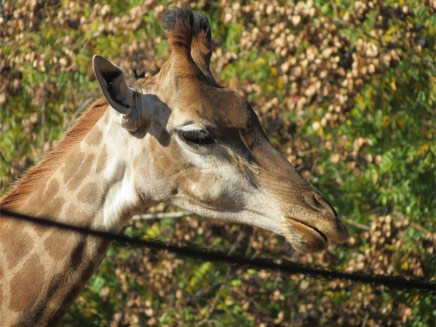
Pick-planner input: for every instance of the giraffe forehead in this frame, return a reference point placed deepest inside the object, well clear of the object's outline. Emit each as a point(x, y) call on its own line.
point(210, 105)
point(226, 108)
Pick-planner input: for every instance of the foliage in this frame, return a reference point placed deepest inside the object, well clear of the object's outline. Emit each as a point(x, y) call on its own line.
point(346, 89)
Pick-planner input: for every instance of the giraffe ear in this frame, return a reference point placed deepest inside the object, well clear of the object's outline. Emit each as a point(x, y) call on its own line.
point(136, 108)
point(201, 45)
point(113, 85)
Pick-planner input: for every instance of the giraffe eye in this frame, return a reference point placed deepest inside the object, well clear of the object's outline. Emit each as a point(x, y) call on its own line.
point(196, 137)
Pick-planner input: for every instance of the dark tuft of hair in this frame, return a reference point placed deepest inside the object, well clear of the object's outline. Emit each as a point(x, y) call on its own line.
point(201, 25)
point(178, 24)
point(175, 16)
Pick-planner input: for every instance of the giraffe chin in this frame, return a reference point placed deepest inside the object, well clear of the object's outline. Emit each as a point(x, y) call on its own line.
point(304, 238)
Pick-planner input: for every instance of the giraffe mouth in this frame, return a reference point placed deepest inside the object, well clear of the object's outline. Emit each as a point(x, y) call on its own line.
point(304, 237)
point(314, 229)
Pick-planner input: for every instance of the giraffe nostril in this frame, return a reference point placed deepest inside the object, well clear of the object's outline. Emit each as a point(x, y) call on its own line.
point(320, 203)
point(316, 201)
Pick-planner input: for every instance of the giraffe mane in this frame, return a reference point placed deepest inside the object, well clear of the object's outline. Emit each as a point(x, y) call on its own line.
point(52, 159)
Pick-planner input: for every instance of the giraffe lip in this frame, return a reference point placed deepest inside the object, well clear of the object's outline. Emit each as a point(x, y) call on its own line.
point(311, 228)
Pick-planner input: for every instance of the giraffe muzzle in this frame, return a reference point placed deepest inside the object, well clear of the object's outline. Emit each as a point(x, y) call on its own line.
point(310, 225)
point(309, 237)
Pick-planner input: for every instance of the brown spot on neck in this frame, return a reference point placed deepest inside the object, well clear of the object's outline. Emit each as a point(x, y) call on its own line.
point(18, 242)
point(58, 244)
point(88, 194)
point(53, 159)
point(27, 290)
point(82, 217)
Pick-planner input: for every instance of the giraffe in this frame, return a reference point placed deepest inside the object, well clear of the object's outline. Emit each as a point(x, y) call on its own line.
point(175, 137)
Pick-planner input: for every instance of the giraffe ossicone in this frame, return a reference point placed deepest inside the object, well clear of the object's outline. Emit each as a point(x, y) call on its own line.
point(176, 137)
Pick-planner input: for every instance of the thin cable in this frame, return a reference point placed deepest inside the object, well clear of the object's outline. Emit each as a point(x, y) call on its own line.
point(291, 268)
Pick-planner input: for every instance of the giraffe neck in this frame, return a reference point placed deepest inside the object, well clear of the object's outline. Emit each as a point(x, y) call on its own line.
point(44, 269)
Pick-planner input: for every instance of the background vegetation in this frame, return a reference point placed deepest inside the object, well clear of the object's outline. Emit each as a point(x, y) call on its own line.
point(346, 89)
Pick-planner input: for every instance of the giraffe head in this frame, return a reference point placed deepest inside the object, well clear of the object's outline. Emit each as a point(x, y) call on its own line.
point(201, 147)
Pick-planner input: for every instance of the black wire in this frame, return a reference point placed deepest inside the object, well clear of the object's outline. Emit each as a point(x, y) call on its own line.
point(292, 268)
